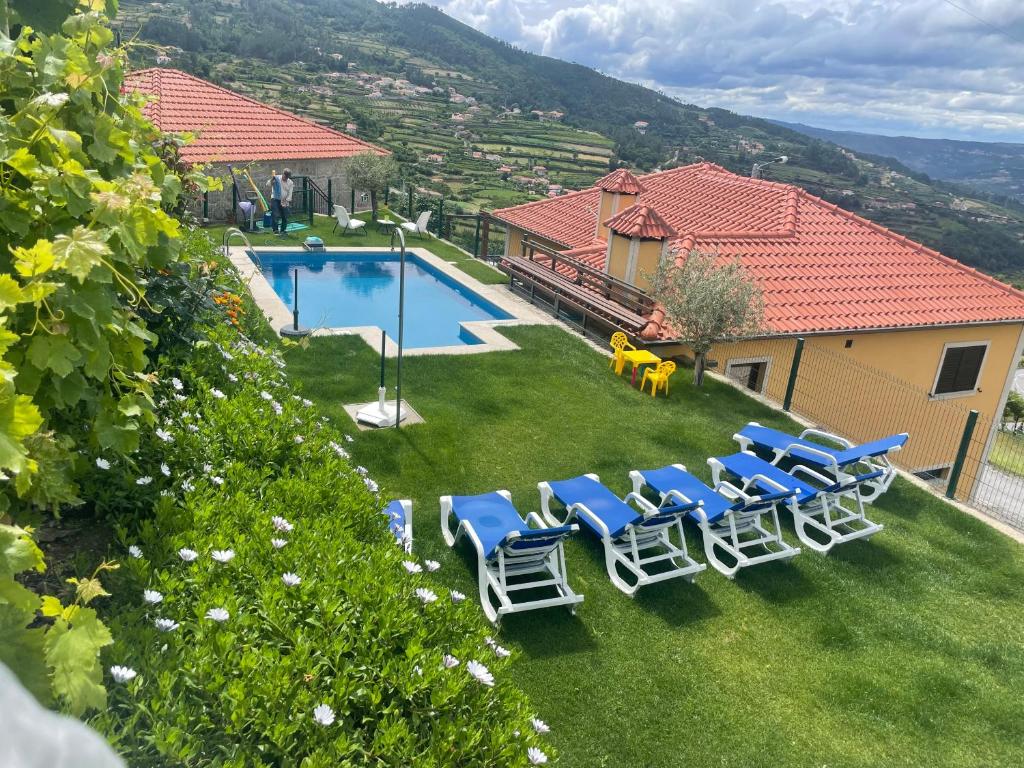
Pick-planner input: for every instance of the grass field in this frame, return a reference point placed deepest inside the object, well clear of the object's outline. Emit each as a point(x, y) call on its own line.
point(323, 228)
point(1008, 452)
point(907, 650)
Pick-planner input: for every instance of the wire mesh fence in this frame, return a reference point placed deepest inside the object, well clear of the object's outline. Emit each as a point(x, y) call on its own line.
point(965, 454)
point(450, 220)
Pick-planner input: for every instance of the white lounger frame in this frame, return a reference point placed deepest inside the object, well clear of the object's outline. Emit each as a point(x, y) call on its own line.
point(626, 550)
point(545, 563)
point(726, 533)
point(878, 486)
point(825, 514)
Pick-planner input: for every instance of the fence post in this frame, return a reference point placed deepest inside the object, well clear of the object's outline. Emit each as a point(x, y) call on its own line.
point(309, 205)
point(206, 206)
point(793, 372)
point(387, 195)
point(352, 210)
point(330, 198)
point(410, 217)
point(440, 217)
point(961, 454)
point(476, 238)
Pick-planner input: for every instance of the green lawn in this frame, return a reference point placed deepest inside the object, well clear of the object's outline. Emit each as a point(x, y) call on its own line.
point(907, 650)
point(323, 227)
point(1008, 452)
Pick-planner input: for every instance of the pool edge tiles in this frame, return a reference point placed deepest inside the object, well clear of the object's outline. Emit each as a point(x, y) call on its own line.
point(496, 298)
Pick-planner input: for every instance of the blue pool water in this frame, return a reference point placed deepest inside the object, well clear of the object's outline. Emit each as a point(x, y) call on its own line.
point(341, 290)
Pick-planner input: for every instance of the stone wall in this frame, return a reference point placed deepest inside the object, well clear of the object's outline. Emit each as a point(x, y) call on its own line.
point(319, 170)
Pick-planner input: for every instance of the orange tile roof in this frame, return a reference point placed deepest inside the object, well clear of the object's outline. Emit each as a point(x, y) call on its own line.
point(231, 127)
point(821, 268)
point(620, 180)
point(640, 221)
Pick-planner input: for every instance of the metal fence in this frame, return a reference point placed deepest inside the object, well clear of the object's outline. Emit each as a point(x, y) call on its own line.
point(965, 454)
point(450, 220)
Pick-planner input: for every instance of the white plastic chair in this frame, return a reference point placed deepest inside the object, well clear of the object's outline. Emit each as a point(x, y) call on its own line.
point(418, 227)
point(346, 222)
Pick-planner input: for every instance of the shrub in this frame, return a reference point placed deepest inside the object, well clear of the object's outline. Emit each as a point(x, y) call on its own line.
point(236, 449)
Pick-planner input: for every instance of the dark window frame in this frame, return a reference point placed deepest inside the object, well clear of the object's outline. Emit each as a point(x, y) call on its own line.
point(960, 368)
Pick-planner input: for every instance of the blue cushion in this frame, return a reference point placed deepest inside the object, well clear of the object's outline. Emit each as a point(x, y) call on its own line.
point(745, 466)
point(613, 511)
point(674, 479)
point(773, 438)
point(396, 518)
point(494, 518)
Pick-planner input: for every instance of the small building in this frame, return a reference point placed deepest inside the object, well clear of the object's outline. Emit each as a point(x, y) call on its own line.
point(434, 157)
point(641, 126)
point(903, 337)
point(236, 131)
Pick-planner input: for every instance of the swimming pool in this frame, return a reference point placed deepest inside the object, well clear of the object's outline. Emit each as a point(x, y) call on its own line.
point(345, 290)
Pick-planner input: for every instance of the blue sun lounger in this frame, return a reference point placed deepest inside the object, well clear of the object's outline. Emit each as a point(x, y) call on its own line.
point(729, 519)
point(512, 554)
point(399, 514)
point(628, 528)
point(817, 500)
point(827, 452)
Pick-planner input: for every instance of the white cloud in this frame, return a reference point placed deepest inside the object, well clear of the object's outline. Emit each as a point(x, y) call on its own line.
point(916, 66)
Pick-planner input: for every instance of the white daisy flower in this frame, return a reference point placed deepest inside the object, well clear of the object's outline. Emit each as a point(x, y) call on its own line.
point(480, 672)
point(290, 580)
point(299, 439)
point(122, 674)
point(371, 485)
point(348, 438)
point(217, 393)
point(426, 595)
point(432, 565)
point(192, 427)
point(135, 551)
point(449, 661)
point(145, 480)
point(307, 403)
point(490, 642)
point(180, 398)
point(323, 714)
point(232, 378)
point(188, 555)
point(165, 470)
point(362, 471)
point(280, 524)
point(412, 567)
point(207, 468)
point(536, 757)
point(540, 726)
point(102, 463)
point(166, 625)
point(187, 485)
point(278, 543)
point(457, 597)
point(277, 408)
point(502, 653)
point(152, 597)
point(216, 479)
point(176, 383)
point(266, 396)
point(222, 555)
point(218, 614)
point(164, 435)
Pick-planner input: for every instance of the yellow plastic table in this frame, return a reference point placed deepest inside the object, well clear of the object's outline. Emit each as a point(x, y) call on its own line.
point(639, 357)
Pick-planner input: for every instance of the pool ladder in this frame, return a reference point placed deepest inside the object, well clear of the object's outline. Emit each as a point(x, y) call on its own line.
point(236, 232)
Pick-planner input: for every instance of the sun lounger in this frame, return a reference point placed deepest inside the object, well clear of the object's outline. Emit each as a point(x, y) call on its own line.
point(817, 503)
point(399, 514)
point(635, 533)
point(827, 452)
point(512, 554)
point(729, 519)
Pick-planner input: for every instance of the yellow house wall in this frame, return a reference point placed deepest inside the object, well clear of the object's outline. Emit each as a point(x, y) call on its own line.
point(647, 262)
point(880, 385)
point(619, 257)
point(514, 241)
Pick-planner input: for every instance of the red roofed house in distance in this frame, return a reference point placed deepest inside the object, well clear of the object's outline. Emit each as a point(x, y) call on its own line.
point(231, 129)
point(879, 311)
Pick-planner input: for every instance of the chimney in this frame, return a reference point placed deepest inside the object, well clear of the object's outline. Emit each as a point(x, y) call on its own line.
point(619, 190)
point(637, 242)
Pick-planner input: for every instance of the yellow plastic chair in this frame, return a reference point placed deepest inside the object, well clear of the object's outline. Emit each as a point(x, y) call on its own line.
point(619, 344)
point(658, 377)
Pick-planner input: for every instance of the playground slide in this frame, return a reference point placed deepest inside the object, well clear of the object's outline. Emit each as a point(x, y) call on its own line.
point(259, 195)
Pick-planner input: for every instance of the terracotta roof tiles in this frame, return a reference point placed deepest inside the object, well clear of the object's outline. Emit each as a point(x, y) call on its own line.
point(640, 221)
point(620, 180)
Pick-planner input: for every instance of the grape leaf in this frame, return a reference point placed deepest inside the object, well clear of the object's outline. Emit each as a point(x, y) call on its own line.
point(72, 653)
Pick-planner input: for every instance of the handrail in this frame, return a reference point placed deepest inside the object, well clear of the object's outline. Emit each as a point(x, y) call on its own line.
point(236, 232)
point(401, 319)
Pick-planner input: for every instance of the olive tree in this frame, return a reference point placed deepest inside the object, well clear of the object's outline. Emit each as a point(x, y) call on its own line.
point(707, 299)
point(371, 173)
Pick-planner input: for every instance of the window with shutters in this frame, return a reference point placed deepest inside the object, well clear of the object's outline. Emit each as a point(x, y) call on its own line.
point(960, 368)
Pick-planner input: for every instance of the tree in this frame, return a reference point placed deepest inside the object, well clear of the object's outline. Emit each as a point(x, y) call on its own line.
point(705, 300)
point(370, 172)
point(1014, 410)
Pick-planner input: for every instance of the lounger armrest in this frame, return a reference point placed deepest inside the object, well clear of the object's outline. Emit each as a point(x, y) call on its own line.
point(826, 436)
point(768, 482)
point(536, 522)
point(730, 491)
point(825, 457)
point(808, 472)
point(685, 504)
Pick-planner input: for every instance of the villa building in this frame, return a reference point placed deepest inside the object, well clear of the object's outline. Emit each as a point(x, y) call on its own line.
point(882, 312)
point(234, 130)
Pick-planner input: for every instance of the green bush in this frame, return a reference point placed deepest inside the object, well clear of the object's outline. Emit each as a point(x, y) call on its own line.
point(236, 448)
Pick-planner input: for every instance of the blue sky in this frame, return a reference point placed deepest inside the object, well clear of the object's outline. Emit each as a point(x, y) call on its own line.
point(912, 67)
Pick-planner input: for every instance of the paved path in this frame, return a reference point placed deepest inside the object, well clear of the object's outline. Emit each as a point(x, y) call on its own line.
point(1001, 494)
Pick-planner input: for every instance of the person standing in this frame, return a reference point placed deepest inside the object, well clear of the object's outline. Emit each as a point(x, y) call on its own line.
point(281, 189)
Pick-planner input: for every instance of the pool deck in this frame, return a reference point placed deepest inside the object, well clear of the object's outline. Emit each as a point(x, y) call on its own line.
point(522, 312)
